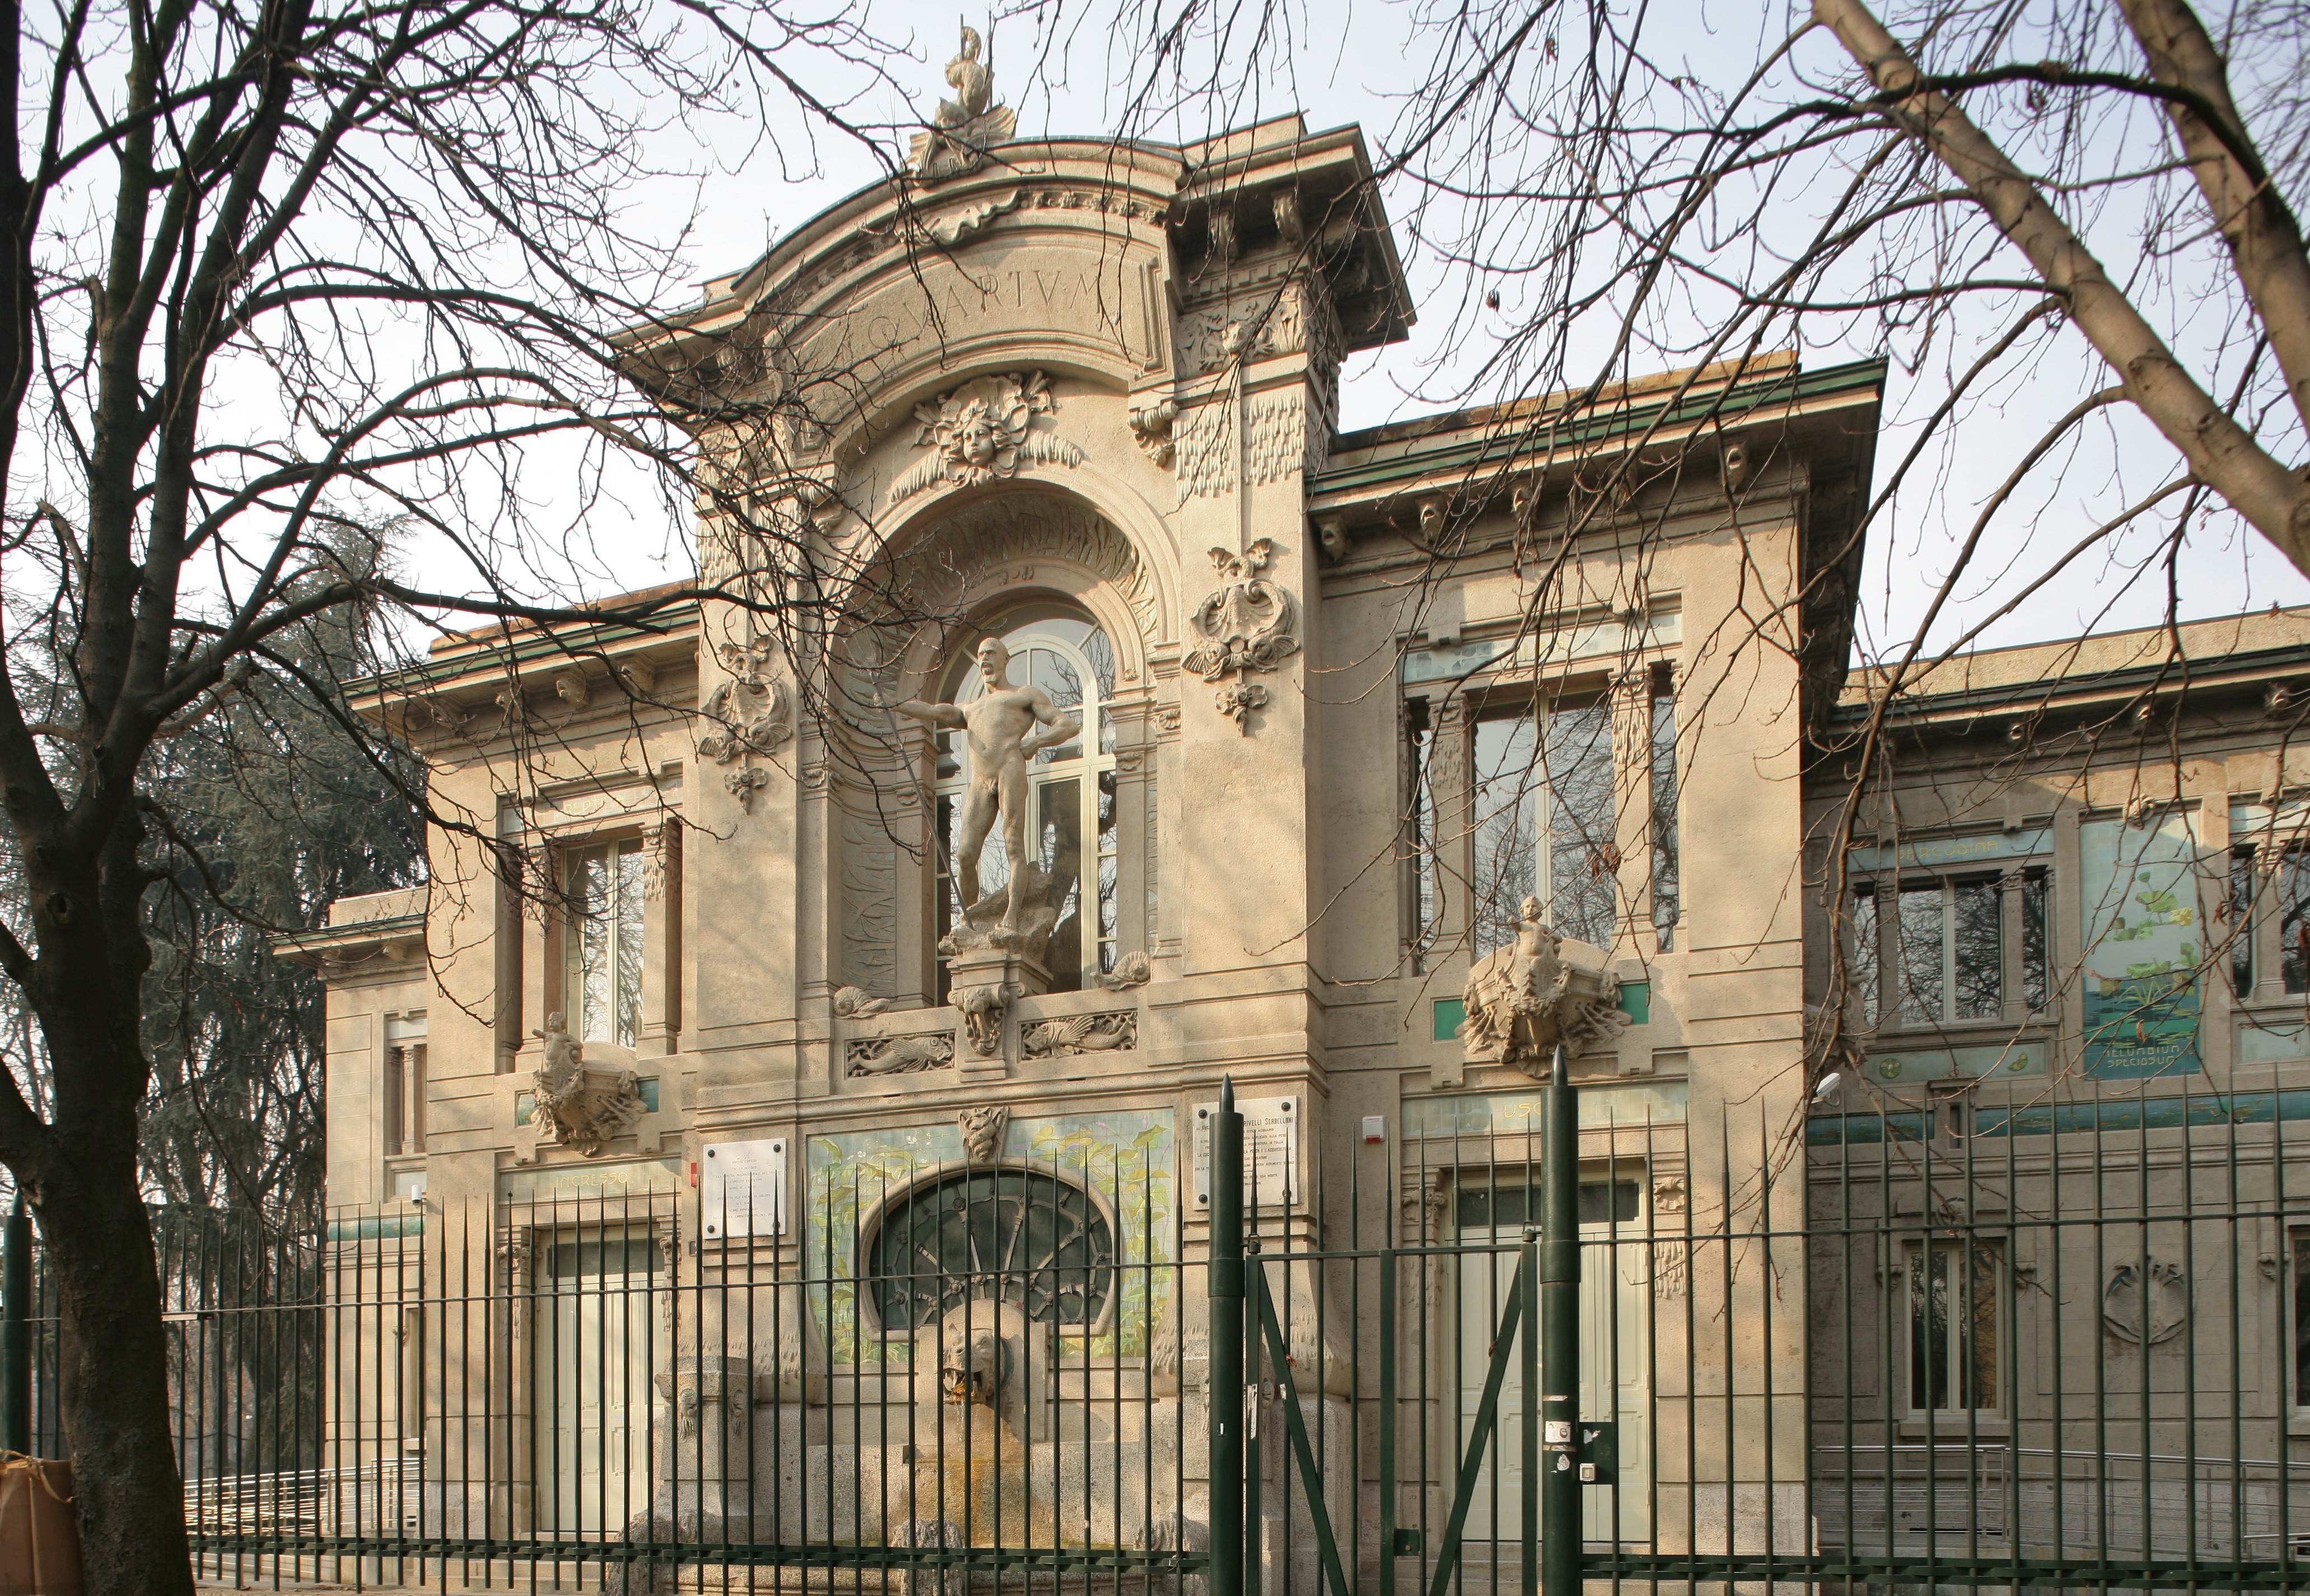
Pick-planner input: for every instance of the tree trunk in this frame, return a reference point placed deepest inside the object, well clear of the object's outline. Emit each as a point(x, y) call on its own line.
point(112, 1363)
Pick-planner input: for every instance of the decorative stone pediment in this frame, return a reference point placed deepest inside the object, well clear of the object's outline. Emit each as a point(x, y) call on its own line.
point(1524, 999)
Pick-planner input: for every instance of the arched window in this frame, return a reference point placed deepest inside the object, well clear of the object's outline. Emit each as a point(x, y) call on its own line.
point(1014, 1235)
point(1066, 654)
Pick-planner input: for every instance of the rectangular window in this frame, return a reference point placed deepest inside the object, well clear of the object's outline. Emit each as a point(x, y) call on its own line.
point(1505, 828)
point(1977, 950)
point(1922, 958)
point(1950, 964)
point(1950, 950)
point(603, 943)
point(1867, 974)
point(2301, 1239)
point(1543, 817)
point(2237, 921)
point(1665, 899)
point(1583, 899)
point(404, 1084)
point(1952, 1324)
point(2036, 964)
point(2294, 920)
point(1420, 827)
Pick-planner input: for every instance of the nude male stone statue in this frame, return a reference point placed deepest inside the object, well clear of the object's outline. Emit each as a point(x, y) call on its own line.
point(1000, 727)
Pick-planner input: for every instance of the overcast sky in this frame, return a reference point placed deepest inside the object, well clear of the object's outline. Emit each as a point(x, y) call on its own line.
point(1343, 69)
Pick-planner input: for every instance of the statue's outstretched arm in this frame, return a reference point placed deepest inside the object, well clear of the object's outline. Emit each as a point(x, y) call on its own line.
point(937, 715)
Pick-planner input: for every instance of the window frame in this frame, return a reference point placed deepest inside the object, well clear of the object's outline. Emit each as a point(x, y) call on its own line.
point(1996, 1247)
point(1533, 711)
point(571, 856)
point(895, 1202)
point(1100, 911)
point(2010, 879)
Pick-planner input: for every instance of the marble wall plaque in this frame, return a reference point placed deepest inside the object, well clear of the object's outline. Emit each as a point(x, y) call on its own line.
point(741, 1188)
point(1271, 1151)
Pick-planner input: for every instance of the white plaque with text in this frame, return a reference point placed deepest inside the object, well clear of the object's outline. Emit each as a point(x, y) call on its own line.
point(741, 1188)
point(1271, 1151)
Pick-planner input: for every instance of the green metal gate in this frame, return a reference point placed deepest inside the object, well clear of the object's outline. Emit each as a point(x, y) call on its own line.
point(1981, 1349)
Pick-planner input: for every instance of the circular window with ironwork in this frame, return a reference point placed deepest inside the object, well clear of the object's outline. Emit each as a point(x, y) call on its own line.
point(1013, 1236)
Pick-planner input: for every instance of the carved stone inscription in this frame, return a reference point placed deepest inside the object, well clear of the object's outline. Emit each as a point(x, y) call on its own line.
point(940, 301)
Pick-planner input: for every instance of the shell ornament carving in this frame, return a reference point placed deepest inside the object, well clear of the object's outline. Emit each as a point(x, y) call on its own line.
point(752, 713)
point(2146, 1304)
point(1247, 623)
point(987, 429)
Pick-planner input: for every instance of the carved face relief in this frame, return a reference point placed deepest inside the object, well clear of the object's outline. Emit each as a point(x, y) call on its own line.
point(975, 443)
point(984, 430)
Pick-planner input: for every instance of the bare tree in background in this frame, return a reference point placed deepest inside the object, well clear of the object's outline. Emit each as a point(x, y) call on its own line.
point(275, 274)
point(1646, 207)
point(1974, 190)
point(1990, 194)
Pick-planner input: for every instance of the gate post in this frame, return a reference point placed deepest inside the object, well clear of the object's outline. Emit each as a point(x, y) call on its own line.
point(1226, 1343)
point(16, 1331)
point(1559, 1337)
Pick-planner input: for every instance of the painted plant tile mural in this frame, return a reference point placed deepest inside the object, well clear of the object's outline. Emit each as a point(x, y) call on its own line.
point(1125, 1159)
point(2144, 936)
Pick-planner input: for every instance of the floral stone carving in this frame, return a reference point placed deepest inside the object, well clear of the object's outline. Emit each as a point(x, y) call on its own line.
point(586, 1105)
point(984, 428)
point(1247, 623)
point(1524, 999)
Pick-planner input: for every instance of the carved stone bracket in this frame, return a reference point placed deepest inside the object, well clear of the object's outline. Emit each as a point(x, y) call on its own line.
point(898, 1055)
point(585, 1106)
point(1247, 623)
point(1081, 1033)
point(984, 429)
point(982, 1130)
point(1524, 999)
point(1151, 424)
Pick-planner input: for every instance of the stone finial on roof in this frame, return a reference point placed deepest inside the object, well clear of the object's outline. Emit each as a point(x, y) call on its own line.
point(966, 127)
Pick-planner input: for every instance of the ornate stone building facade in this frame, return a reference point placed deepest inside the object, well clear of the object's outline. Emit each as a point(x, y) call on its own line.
point(1362, 766)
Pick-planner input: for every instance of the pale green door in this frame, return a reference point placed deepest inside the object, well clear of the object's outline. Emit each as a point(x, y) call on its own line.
point(1613, 1293)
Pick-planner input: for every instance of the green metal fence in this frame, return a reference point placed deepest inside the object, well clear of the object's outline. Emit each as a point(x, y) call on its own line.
point(1990, 1346)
